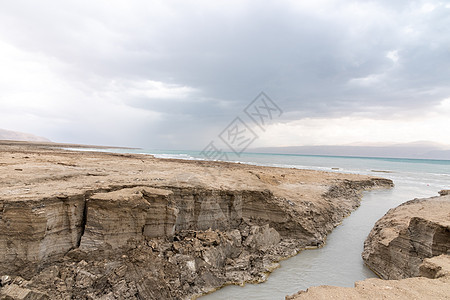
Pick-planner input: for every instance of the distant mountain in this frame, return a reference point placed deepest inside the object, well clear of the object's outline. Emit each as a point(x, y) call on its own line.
point(20, 136)
point(420, 150)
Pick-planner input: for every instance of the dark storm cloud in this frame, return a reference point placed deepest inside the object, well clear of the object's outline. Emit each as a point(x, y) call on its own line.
point(326, 58)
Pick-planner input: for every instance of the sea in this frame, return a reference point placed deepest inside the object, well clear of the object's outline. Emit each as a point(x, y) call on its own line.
point(339, 261)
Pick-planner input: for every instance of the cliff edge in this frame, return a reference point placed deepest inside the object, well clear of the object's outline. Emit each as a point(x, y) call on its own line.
point(406, 235)
point(92, 225)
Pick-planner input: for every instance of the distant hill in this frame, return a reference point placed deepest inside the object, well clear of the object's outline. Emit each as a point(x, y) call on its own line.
point(20, 136)
point(419, 150)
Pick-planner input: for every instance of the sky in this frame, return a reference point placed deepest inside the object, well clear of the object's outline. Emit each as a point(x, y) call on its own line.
point(176, 74)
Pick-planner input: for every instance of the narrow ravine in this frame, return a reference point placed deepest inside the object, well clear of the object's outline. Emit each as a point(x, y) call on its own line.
point(339, 262)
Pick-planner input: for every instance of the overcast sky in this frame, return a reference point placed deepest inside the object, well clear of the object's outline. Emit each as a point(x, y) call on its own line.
point(174, 74)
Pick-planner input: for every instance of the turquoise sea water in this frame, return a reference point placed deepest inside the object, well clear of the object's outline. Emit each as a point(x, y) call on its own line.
point(339, 262)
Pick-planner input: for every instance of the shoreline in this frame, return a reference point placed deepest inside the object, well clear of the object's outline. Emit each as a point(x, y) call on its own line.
point(244, 219)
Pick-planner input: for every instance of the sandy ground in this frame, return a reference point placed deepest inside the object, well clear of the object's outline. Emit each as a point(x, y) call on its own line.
point(31, 171)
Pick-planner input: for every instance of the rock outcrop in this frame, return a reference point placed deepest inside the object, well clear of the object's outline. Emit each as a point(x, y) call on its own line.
point(410, 246)
point(444, 192)
point(103, 226)
point(32, 232)
point(112, 218)
point(406, 235)
point(435, 267)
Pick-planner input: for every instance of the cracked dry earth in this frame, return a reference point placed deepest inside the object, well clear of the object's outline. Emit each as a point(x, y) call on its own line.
point(93, 225)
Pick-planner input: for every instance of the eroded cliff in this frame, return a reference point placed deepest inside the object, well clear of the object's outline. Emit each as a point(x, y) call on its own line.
point(98, 225)
point(406, 235)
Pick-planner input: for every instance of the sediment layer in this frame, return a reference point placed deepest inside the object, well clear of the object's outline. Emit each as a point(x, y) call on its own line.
point(406, 235)
point(91, 225)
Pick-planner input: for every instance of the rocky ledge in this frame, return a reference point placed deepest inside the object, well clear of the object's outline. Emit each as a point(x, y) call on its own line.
point(91, 225)
point(410, 246)
point(406, 235)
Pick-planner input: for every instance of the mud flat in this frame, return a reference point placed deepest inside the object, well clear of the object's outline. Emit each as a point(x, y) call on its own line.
point(410, 247)
point(93, 225)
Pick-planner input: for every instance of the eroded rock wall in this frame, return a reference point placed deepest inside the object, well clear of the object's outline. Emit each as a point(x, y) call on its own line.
point(112, 218)
point(172, 242)
point(35, 232)
point(406, 235)
point(32, 232)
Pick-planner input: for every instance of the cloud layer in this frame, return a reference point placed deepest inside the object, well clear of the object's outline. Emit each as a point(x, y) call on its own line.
point(173, 74)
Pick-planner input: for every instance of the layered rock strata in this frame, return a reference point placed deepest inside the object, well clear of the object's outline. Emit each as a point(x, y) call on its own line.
point(406, 235)
point(97, 225)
